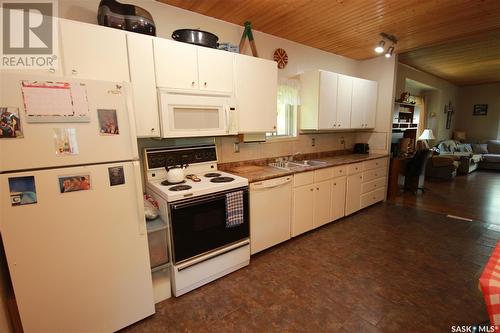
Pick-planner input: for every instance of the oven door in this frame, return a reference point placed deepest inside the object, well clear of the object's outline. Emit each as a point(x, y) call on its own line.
point(199, 225)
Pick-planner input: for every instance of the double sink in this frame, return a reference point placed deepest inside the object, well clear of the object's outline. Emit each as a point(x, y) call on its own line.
point(296, 165)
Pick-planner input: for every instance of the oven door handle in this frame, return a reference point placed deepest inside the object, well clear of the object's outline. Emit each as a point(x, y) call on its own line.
point(196, 202)
point(200, 201)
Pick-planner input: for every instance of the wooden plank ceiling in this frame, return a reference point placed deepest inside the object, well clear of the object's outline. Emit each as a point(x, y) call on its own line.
point(351, 27)
point(472, 60)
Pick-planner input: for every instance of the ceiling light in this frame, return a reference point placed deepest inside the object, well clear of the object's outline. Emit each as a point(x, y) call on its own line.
point(380, 47)
point(389, 52)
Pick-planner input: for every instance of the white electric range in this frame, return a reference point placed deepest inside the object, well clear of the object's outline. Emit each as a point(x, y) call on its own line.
point(203, 245)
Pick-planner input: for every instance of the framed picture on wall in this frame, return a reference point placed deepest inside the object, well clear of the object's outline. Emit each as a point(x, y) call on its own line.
point(480, 110)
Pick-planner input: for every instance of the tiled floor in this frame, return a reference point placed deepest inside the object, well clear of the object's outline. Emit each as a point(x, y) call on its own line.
point(475, 196)
point(385, 269)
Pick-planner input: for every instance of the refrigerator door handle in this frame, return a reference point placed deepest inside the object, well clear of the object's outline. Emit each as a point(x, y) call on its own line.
point(141, 218)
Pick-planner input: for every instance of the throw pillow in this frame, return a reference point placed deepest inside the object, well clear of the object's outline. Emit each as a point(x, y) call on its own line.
point(480, 148)
point(468, 147)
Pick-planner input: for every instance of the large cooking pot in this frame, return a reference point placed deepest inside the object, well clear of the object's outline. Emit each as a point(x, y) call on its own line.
point(197, 37)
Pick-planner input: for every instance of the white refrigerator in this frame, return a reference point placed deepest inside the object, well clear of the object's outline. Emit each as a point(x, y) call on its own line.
point(71, 218)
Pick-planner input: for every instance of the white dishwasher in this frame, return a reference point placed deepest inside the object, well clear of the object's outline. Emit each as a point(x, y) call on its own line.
point(270, 212)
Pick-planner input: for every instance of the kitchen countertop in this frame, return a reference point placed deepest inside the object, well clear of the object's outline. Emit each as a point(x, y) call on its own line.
point(255, 173)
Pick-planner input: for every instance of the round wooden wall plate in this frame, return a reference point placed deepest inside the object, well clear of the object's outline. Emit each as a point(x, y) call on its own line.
point(281, 58)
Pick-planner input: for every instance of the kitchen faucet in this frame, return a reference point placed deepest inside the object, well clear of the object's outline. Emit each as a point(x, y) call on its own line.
point(292, 157)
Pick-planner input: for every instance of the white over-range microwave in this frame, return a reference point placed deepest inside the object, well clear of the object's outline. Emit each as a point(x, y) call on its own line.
point(189, 115)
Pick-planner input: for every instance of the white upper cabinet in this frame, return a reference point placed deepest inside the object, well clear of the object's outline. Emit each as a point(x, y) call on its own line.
point(256, 84)
point(93, 52)
point(142, 77)
point(344, 101)
point(215, 70)
point(331, 101)
point(188, 67)
point(327, 110)
point(176, 64)
point(364, 103)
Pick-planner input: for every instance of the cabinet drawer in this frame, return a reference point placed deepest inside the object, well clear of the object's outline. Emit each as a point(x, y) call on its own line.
point(374, 164)
point(373, 185)
point(303, 178)
point(374, 174)
point(372, 197)
point(354, 168)
point(339, 171)
point(323, 174)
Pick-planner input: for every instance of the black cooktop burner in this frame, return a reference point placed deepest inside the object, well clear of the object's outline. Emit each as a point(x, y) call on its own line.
point(167, 183)
point(180, 188)
point(212, 174)
point(221, 179)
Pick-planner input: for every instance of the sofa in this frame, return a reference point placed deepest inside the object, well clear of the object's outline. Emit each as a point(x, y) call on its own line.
point(462, 154)
point(490, 153)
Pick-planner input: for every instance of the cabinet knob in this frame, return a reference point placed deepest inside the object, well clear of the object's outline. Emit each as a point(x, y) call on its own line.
point(317, 188)
point(334, 184)
point(192, 84)
point(74, 72)
point(360, 177)
point(52, 70)
point(334, 125)
point(205, 84)
point(311, 189)
point(340, 171)
point(152, 129)
point(274, 127)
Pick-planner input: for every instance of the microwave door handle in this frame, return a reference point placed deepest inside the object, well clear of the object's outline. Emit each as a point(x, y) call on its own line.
point(226, 111)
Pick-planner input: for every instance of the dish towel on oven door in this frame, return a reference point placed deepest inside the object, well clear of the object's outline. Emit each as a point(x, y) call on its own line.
point(234, 209)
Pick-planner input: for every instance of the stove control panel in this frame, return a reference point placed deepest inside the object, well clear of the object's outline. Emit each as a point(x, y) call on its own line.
point(160, 157)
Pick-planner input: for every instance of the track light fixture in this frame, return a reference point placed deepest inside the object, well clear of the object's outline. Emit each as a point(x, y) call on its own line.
point(380, 47)
point(390, 50)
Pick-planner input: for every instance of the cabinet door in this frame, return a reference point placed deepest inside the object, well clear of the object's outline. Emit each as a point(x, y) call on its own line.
point(176, 64)
point(364, 103)
point(353, 193)
point(142, 76)
point(322, 203)
point(256, 93)
point(215, 70)
point(327, 118)
point(93, 52)
point(302, 218)
point(344, 101)
point(338, 198)
point(371, 94)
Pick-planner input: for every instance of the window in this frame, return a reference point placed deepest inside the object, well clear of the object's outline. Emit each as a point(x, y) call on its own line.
point(287, 103)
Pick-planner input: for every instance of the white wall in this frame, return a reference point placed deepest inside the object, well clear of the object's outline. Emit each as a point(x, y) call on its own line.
point(479, 128)
point(300, 58)
point(444, 93)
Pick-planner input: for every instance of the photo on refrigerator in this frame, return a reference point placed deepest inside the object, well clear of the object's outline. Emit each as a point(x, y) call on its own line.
point(74, 183)
point(22, 190)
point(10, 123)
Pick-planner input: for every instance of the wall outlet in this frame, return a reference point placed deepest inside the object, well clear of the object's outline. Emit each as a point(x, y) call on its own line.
point(236, 147)
point(313, 142)
point(342, 140)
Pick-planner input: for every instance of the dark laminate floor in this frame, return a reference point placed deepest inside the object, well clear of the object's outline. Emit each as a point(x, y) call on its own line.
point(475, 196)
point(385, 269)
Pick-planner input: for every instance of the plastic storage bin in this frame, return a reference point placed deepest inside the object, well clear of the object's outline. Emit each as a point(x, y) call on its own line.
point(157, 241)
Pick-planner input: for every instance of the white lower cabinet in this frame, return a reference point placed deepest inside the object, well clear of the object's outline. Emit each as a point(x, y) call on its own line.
point(303, 210)
point(338, 198)
point(322, 203)
point(353, 193)
point(366, 184)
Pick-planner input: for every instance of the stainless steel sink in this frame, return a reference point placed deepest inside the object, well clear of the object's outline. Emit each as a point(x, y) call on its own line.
point(295, 165)
point(308, 163)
